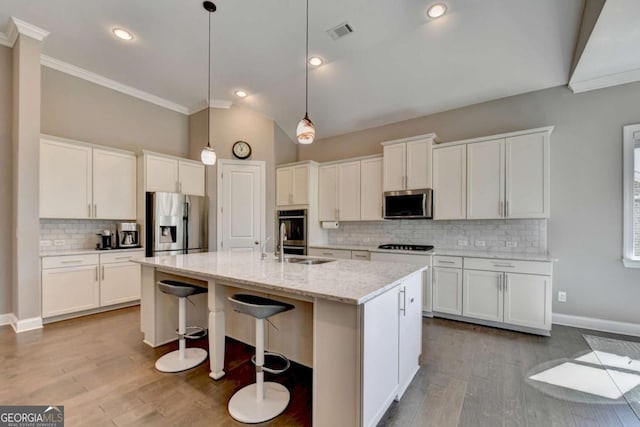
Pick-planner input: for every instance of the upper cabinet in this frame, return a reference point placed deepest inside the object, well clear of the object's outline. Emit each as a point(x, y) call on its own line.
point(339, 192)
point(507, 176)
point(173, 175)
point(407, 163)
point(371, 189)
point(293, 184)
point(81, 181)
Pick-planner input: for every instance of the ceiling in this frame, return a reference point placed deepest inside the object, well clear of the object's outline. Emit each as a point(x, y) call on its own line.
point(398, 64)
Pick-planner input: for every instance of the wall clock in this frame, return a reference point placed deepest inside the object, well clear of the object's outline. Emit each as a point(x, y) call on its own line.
point(241, 149)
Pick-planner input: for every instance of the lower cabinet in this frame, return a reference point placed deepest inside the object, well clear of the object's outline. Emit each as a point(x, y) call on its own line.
point(527, 300)
point(331, 253)
point(447, 290)
point(482, 295)
point(119, 282)
point(410, 331)
point(70, 289)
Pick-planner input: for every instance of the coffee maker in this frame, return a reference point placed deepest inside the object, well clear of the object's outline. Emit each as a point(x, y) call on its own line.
point(104, 240)
point(127, 235)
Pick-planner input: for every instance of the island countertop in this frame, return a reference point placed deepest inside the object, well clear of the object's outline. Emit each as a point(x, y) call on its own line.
point(348, 281)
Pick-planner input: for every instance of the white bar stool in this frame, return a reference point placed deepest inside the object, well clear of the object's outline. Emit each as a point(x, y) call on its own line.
point(184, 358)
point(260, 401)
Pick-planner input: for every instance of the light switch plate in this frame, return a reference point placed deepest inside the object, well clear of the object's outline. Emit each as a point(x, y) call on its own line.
point(58, 242)
point(562, 296)
point(512, 244)
point(480, 243)
point(463, 242)
point(45, 243)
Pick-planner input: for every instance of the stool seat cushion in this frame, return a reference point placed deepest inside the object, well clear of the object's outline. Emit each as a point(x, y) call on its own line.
point(258, 307)
point(180, 289)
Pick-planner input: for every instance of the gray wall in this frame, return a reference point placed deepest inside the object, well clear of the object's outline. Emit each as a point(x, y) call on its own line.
point(6, 65)
point(585, 228)
point(77, 109)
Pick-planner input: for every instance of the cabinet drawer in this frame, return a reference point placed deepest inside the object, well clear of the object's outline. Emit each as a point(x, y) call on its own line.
point(69, 261)
point(330, 253)
point(120, 256)
point(361, 255)
point(447, 261)
point(513, 266)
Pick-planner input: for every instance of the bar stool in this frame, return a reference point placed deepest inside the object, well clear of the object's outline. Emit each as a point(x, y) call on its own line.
point(183, 358)
point(260, 401)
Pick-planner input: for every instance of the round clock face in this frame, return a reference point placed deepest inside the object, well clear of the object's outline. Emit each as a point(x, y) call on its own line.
point(241, 149)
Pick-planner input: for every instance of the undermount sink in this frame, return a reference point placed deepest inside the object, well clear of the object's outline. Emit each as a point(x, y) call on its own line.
point(308, 261)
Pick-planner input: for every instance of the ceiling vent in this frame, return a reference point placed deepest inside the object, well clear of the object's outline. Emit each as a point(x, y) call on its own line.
point(340, 31)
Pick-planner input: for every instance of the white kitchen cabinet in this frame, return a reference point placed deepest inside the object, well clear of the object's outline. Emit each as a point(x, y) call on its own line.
point(70, 289)
point(82, 181)
point(114, 185)
point(486, 179)
point(527, 300)
point(328, 192)
point(292, 185)
point(339, 192)
point(371, 189)
point(482, 295)
point(410, 331)
point(407, 163)
point(119, 282)
point(447, 290)
point(450, 182)
point(173, 175)
point(330, 253)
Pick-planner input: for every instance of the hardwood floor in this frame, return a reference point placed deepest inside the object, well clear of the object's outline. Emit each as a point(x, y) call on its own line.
point(99, 369)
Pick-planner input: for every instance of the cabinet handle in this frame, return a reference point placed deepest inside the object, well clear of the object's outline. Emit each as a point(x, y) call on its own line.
point(500, 282)
point(360, 256)
point(327, 253)
point(506, 284)
point(73, 261)
point(501, 208)
point(506, 208)
point(403, 302)
point(181, 186)
point(123, 257)
point(103, 272)
point(446, 262)
point(89, 208)
point(95, 210)
point(96, 273)
point(503, 265)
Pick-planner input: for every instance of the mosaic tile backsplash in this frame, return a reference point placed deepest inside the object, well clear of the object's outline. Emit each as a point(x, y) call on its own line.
point(61, 234)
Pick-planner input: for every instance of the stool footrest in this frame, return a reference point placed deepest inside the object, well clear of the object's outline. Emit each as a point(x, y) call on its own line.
point(193, 333)
point(271, 370)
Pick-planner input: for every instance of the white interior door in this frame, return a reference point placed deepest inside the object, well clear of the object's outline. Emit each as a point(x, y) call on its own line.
point(241, 205)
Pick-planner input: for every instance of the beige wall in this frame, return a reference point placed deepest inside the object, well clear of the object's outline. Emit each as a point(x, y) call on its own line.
point(227, 127)
point(77, 109)
point(6, 65)
point(585, 229)
point(286, 149)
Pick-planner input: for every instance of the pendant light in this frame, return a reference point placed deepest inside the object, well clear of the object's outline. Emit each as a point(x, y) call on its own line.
point(208, 154)
point(306, 131)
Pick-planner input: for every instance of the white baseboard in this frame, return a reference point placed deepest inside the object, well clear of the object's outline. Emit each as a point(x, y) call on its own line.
point(622, 328)
point(25, 324)
point(6, 319)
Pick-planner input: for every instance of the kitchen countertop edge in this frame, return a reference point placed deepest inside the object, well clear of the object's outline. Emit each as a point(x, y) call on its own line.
point(65, 252)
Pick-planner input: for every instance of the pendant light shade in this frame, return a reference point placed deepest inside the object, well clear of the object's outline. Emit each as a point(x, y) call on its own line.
point(208, 154)
point(306, 131)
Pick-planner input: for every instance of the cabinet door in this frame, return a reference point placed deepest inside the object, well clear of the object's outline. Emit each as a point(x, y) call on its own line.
point(349, 191)
point(65, 180)
point(419, 164)
point(330, 253)
point(527, 300)
point(284, 186)
point(114, 185)
point(301, 185)
point(482, 295)
point(485, 180)
point(527, 176)
point(410, 333)
point(371, 190)
point(161, 174)
point(68, 290)
point(450, 182)
point(394, 158)
point(191, 178)
point(119, 282)
point(447, 290)
point(327, 193)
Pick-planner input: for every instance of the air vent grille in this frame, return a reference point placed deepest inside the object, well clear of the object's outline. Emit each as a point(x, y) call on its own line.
point(340, 31)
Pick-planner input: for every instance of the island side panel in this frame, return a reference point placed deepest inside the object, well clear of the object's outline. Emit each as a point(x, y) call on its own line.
point(337, 388)
point(217, 302)
point(147, 304)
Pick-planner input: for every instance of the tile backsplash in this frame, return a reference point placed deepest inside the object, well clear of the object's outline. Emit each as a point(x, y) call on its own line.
point(510, 235)
point(72, 233)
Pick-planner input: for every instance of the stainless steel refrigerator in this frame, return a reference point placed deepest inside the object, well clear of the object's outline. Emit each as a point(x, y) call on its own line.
point(175, 224)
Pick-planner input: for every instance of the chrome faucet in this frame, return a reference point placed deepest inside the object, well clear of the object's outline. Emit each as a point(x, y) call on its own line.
point(264, 246)
point(282, 236)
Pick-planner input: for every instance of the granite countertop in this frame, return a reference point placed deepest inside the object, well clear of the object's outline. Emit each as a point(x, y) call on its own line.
point(545, 257)
point(63, 252)
point(349, 281)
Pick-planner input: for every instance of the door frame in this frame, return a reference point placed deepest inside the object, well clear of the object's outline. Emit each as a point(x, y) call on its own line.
point(219, 196)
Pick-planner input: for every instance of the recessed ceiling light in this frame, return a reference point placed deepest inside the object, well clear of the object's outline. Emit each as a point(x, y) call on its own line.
point(437, 10)
point(122, 34)
point(240, 93)
point(315, 61)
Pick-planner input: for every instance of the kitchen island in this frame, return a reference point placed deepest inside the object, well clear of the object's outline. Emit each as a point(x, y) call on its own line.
point(356, 323)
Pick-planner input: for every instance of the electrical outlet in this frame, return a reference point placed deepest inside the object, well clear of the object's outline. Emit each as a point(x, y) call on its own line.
point(480, 243)
point(58, 242)
point(45, 243)
point(463, 242)
point(562, 296)
point(512, 244)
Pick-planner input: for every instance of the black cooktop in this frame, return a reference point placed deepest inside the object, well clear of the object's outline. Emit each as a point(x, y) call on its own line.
point(399, 247)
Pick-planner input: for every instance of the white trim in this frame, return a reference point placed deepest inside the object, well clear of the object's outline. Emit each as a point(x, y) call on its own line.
point(25, 324)
point(6, 319)
point(84, 144)
point(213, 103)
point(623, 328)
point(628, 145)
point(412, 138)
point(17, 26)
point(4, 40)
point(548, 129)
point(220, 166)
point(605, 81)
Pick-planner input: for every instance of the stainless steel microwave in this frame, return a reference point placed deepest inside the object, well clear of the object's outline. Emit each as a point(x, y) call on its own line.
point(408, 204)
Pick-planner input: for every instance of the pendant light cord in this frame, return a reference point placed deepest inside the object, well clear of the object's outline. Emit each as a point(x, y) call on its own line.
point(209, 87)
point(306, 72)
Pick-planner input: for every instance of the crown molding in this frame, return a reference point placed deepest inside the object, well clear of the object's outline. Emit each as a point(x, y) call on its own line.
point(602, 82)
point(17, 26)
point(81, 73)
point(213, 103)
point(4, 40)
